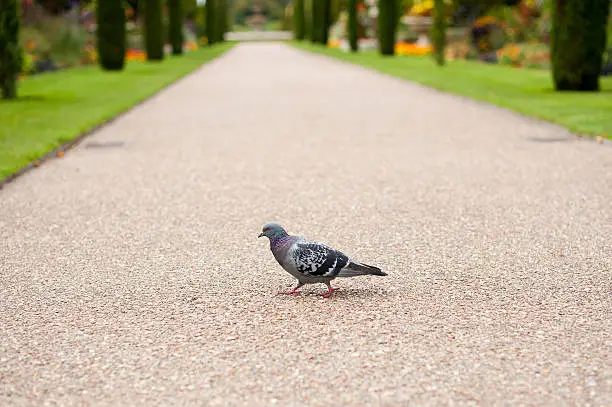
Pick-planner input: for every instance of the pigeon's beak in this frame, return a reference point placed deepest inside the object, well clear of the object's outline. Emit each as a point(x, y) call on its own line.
point(260, 235)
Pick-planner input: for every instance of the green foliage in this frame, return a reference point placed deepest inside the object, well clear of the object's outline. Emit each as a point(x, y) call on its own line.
point(271, 9)
point(111, 34)
point(578, 43)
point(10, 51)
point(353, 25)
point(438, 31)
point(153, 30)
point(190, 8)
point(308, 19)
point(387, 26)
point(326, 20)
point(211, 21)
point(299, 20)
point(221, 19)
point(175, 25)
point(321, 20)
point(315, 12)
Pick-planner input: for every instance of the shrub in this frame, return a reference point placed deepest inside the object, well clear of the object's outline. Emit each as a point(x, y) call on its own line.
point(315, 35)
point(221, 12)
point(438, 31)
point(326, 21)
point(153, 30)
point(211, 22)
point(352, 25)
point(111, 34)
point(175, 25)
point(299, 20)
point(578, 43)
point(387, 25)
point(10, 51)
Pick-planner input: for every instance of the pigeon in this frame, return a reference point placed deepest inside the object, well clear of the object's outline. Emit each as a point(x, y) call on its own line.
point(312, 262)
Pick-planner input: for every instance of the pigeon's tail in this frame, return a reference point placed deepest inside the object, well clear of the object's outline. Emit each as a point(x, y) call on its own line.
point(360, 269)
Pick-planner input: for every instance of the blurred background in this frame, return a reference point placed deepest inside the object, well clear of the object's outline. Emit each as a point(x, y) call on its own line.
point(61, 33)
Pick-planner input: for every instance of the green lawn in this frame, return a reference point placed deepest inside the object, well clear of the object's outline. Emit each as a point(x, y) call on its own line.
point(528, 91)
point(54, 108)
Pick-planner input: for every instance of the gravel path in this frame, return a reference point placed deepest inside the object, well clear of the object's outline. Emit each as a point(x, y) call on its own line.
point(131, 274)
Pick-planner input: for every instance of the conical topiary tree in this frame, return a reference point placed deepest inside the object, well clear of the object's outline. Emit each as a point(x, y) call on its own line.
point(10, 51)
point(111, 34)
point(315, 24)
point(175, 25)
point(352, 25)
point(438, 32)
point(578, 43)
point(221, 19)
point(298, 20)
point(153, 30)
point(326, 20)
point(308, 19)
point(387, 24)
point(211, 21)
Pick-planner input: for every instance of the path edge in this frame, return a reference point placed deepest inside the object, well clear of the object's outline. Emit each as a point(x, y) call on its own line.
point(68, 145)
point(577, 135)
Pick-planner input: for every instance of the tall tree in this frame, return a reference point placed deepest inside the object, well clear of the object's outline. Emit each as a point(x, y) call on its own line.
point(578, 43)
point(387, 25)
point(352, 25)
point(111, 34)
point(175, 25)
point(326, 20)
point(438, 32)
point(211, 21)
point(316, 9)
point(221, 19)
point(153, 30)
point(308, 19)
point(298, 20)
point(10, 51)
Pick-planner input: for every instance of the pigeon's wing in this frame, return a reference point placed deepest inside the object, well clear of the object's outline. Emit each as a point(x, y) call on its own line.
point(318, 260)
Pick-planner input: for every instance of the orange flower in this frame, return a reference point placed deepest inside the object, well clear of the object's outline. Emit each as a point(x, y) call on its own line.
point(403, 48)
point(31, 45)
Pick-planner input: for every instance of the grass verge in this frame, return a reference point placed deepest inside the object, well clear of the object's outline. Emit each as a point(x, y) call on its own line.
point(56, 108)
point(527, 91)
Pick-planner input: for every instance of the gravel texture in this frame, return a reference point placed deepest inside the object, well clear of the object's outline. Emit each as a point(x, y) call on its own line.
point(131, 274)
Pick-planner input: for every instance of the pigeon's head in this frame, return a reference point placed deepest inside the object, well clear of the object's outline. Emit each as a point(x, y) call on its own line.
point(272, 231)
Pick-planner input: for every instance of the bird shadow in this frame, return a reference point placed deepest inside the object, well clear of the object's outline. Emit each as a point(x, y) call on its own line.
point(340, 293)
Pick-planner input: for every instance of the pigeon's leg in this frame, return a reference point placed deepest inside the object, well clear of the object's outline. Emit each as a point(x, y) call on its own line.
point(294, 290)
point(329, 292)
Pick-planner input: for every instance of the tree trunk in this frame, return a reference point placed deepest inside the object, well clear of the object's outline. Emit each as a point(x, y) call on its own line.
point(578, 43)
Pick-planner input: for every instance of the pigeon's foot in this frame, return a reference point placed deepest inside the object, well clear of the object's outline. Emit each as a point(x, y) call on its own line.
point(293, 291)
point(329, 292)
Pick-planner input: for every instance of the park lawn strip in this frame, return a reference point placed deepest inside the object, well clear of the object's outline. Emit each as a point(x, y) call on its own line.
point(527, 91)
point(55, 108)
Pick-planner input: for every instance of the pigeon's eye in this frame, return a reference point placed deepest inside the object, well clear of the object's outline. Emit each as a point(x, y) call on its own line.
point(266, 229)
